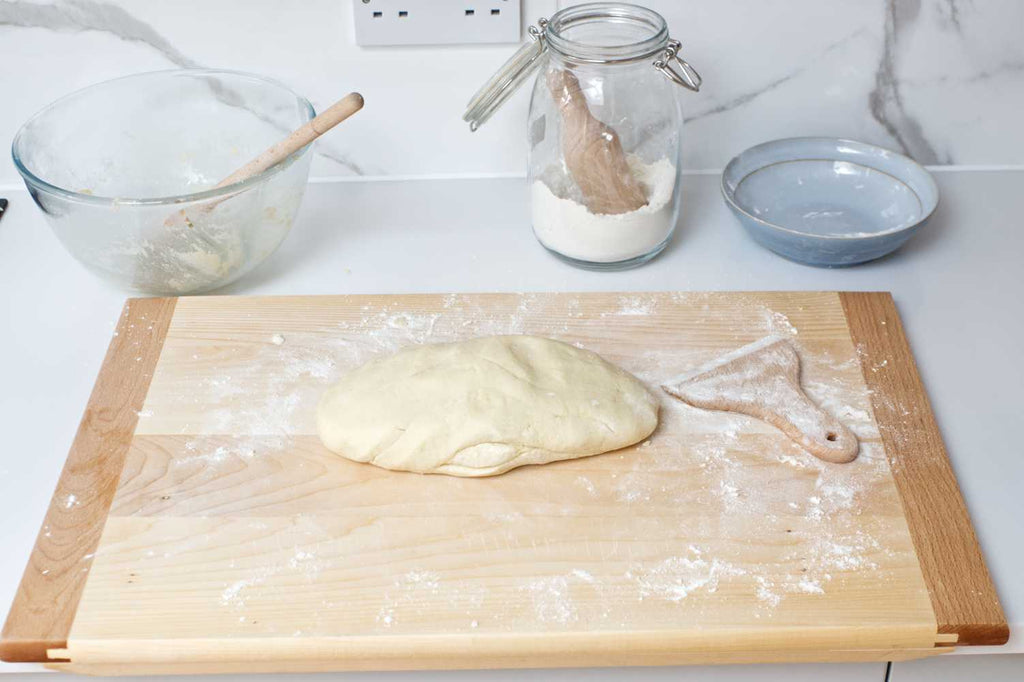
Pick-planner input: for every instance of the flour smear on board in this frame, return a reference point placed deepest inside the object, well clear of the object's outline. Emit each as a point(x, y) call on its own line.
point(279, 383)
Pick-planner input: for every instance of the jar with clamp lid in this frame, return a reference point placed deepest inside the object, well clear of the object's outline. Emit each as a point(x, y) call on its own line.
point(604, 131)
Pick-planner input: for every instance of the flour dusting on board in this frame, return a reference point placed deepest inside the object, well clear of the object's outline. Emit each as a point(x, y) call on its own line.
point(214, 451)
point(268, 387)
point(552, 601)
point(636, 305)
point(265, 391)
point(677, 577)
point(415, 595)
point(810, 499)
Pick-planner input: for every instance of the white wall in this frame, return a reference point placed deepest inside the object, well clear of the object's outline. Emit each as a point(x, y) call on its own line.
point(941, 79)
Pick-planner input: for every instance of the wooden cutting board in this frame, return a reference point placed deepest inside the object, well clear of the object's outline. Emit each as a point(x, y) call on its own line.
point(200, 526)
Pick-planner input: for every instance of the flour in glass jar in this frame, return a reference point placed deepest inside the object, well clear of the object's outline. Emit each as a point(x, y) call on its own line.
point(563, 224)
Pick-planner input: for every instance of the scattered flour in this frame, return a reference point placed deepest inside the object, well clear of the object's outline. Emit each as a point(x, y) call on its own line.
point(766, 591)
point(269, 393)
point(386, 616)
point(585, 576)
point(776, 323)
point(810, 586)
point(214, 451)
point(678, 577)
point(726, 453)
point(419, 592)
point(587, 485)
point(635, 305)
point(503, 517)
point(552, 601)
point(308, 564)
point(233, 593)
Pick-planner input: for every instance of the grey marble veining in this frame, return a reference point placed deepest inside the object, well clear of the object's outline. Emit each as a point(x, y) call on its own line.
point(85, 15)
point(919, 76)
point(941, 80)
point(885, 101)
point(745, 97)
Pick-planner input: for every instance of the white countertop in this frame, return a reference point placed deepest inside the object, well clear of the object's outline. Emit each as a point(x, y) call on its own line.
point(958, 284)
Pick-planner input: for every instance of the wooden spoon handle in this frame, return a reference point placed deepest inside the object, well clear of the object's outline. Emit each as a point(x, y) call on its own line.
point(276, 153)
point(327, 119)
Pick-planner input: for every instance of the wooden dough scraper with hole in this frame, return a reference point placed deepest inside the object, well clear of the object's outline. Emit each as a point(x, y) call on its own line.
point(762, 380)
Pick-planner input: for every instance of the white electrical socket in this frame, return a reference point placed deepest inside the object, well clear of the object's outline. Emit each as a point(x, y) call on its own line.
point(436, 22)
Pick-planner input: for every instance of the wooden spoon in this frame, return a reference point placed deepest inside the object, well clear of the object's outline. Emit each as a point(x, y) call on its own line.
point(593, 152)
point(275, 154)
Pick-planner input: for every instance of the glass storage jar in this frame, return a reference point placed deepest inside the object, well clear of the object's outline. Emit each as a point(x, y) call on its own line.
point(604, 131)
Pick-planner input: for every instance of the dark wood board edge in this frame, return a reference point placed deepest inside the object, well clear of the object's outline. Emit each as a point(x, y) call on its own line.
point(46, 601)
point(962, 593)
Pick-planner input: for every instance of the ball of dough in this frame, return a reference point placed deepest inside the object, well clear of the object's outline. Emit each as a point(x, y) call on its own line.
point(484, 406)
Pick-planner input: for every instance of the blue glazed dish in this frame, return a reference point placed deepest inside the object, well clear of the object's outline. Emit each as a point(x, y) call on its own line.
point(828, 202)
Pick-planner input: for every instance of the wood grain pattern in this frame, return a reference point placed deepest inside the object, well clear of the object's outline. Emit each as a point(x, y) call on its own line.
point(560, 650)
point(48, 596)
point(962, 593)
point(236, 541)
point(460, 661)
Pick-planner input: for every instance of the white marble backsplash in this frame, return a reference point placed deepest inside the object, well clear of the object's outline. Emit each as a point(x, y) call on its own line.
point(942, 80)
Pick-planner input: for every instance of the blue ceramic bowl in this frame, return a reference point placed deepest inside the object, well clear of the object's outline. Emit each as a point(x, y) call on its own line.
point(828, 202)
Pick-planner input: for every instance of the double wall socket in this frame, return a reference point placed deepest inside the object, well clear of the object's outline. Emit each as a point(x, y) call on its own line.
point(436, 22)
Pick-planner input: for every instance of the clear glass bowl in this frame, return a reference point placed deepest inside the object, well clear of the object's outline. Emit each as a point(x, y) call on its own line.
point(124, 172)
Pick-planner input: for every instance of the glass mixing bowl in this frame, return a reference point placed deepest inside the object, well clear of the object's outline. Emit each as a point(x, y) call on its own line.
point(124, 172)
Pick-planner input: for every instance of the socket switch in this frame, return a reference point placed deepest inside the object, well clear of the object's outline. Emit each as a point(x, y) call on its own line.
point(436, 22)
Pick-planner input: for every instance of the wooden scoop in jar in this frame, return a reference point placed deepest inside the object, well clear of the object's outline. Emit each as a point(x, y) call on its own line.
point(593, 152)
point(275, 154)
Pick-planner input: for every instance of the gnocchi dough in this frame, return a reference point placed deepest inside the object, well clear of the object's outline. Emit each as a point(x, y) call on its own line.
point(484, 406)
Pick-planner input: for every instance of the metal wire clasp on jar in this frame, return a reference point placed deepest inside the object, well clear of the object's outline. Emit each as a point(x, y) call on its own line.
point(604, 131)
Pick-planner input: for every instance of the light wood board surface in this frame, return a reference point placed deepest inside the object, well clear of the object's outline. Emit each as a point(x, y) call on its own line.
point(44, 606)
point(963, 594)
point(236, 542)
